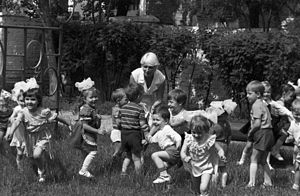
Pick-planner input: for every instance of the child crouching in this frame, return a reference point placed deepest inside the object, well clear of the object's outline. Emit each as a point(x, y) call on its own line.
point(168, 140)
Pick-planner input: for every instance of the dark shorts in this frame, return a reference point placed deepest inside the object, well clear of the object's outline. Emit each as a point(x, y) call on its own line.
point(174, 154)
point(132, 143)
point(263, 140)
point(87, 148)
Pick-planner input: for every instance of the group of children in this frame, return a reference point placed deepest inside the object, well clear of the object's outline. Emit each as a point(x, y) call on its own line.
point(198, 140)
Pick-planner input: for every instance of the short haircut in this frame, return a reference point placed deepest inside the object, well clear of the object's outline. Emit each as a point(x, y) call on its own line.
point(266, 84)
point(200, 124)
point(34, 92)
point(178, 95)
point(287, 88)
point(163, 111)
point(118, 94)
point(296, 103)
point(133, 91)
point(256, 86)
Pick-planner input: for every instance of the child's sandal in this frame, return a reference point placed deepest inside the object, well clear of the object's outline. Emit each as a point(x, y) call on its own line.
point(265, 185)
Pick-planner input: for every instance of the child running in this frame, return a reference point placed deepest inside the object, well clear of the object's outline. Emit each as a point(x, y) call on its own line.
point(133, 125)
point(168, 140)
point(198, 152)
point(294, 131)
point(260, 133)
point(91, 121)
point(34, 116)
point(119, 97)
point(18, 139)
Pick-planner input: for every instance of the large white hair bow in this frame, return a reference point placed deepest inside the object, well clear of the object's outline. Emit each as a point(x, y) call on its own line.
point(31, 84)
point(18, 87)
point(85, 84)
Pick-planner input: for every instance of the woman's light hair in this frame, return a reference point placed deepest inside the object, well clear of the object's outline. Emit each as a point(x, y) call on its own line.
point(150, 59)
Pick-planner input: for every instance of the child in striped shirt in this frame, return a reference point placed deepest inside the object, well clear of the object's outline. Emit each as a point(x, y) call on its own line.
point(133, 125)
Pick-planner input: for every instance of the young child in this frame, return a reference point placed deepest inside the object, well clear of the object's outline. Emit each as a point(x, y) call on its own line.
point(260, 133)
point(34, 116)
point(119, 97)
point(277, 111)
point(197, 153)
point(222, 130)
point(91, 121)
point(5, 113)
point(133, 125)
point(168, 140)
point(282, 123)
point(18, 139)
point(178, 120)
point(294, 131)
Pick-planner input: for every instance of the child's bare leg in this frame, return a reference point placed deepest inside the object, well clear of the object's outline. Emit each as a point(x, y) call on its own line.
point(19, 158)
point(126, 163)
point(137, 163)
point(253, 167)
point(38, 160)
point(224, 176)
point(277, 146)
point(160, 159)
point(117, 147)
point(205, 178)
point(246, 151)
point(268, 161)
point(296, 180)
point(267, 171)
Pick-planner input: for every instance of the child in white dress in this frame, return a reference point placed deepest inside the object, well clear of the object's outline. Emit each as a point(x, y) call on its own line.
point(198, 152)
point(37, 136)
point(294, 132)
point(18, 139)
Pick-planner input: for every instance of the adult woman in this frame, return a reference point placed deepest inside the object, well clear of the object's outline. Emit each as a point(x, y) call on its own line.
point(151, 79)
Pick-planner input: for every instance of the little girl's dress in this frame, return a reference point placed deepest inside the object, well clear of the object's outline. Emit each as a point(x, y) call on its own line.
point(18, 139)
point(203, 155)
point(37, 134)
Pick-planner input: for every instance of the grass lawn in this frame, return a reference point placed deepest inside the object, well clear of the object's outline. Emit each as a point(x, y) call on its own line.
point(64, 180)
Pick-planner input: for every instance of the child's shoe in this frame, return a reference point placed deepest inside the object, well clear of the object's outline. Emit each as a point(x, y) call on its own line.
point(277, 156)
point(85, 174)
point(41, 176)
point(162, 179)
point(295, 187)
point(240, 162)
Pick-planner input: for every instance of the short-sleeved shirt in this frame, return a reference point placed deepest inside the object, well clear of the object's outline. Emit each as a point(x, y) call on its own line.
point(166, 137)
point(259, 110)
point(88, 115)
point(294, 131)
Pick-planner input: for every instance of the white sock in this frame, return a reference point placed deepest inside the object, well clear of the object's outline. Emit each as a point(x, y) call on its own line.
point(88, 160)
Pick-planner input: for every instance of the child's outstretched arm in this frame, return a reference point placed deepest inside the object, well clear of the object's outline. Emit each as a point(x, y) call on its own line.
point(183, 153)
point(220, 151)
point(88, 128)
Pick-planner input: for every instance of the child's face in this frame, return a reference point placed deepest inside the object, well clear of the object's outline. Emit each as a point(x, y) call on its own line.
point(288, 97)
point(198, 134)
point(91, 98)
point(252, 96)
point(267, 93)
point(174, 106)
point(296, 113)
point(31, 103)
point(20, 100)
point(158, 121)
point(123, 101)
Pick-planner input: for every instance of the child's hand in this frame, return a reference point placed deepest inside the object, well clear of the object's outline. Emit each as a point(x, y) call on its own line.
point(144, 142)
point(100, 131)
point(187, 159)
